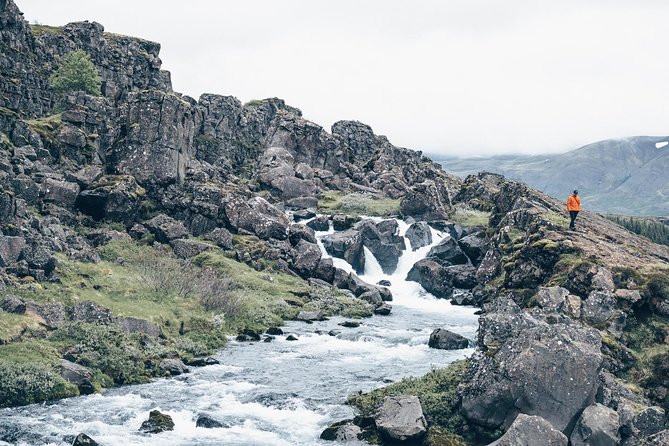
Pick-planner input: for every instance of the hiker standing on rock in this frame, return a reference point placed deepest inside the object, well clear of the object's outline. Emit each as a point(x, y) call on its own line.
point(574, 207)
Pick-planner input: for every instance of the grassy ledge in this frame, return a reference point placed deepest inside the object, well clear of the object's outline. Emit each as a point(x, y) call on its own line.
point(357, 204)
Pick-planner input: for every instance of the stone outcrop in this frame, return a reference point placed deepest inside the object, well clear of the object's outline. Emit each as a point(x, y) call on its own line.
point(400, 419)
point(529, 430)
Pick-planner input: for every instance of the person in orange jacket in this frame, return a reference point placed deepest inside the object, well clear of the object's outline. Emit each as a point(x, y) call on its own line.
point(574, 207)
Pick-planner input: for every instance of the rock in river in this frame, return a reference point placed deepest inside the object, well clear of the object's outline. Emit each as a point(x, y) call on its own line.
point(400, 418)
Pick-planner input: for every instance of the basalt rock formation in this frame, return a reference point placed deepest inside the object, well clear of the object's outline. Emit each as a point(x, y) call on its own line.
point(574, 324)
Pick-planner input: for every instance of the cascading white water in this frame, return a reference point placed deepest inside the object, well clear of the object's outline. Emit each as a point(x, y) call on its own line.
point(267, 394)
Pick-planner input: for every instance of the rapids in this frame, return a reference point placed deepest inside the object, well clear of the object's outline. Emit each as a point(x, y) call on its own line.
point(278, 393)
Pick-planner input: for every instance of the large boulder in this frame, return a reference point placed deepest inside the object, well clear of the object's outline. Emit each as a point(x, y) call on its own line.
point(474, 246)
point(382, 240)
point(221, 237)
point(172, 367)
point(113, 198)
point(90, 312)
point(597, 426)
point(301, 232)
point(11, 249)
point(50, 315)
point(78, 375)
point(61, 193)
point(346, 245)
point(529, 430)
point(306, 258)
point(257, 216)
point(185, 248)
point(276, 172)
point(344, 431)
point(166, 229)
point(400, 419)
point(419, 235)
point(429, 273)
point(429, 201)
point(13, 304)
point(531, 367)
point(447, 340)
point(157, 422)
point(448, 251)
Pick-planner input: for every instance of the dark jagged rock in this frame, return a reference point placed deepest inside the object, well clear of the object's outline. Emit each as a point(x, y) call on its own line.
point(274, 331)
point(531, 430)
point(248, 335)
point(157, 423)
point(448, 251)
point(321, 223)
point(11, 249)
point(381, 239)
point(342, 222)
point(430, 273)
point(173, 367)
point(113, 198)
point(13, 304)
point(105, 235)
point(306, 259)
point(597, 425)
point(185, 248)
point(525, 373)
point(429, 201)
point(221, 237)
point(292, 337)
point(346, 245)
point(166, 229)
point(400, 418)
point(343, 431)
point(447, 340)
point(78, 375)
point(84, 440)
point(90, 312)
point(383, 309)
point(301, 232)
point(474, 246)
point(207, 422)
point(419, 235)
point(257, 216)
point(52, 315)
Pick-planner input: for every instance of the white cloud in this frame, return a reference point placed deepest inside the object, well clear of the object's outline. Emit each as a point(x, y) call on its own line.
point(458, 77)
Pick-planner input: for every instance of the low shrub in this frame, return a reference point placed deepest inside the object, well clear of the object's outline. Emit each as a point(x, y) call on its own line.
point(29, 383)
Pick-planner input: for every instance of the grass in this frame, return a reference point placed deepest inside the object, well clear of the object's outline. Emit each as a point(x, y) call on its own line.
point(39, 30)
point(46, 127)
point(556, 218)
point(564, 266)
point(470, 217)
point(357, 204)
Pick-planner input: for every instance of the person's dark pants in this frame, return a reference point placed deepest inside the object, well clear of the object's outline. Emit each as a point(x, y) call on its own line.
point(573, 215)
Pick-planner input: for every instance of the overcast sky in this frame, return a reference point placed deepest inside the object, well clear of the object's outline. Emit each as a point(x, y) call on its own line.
point(456, 77)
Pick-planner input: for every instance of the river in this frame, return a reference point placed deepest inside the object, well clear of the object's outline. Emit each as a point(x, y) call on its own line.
point(282, 393)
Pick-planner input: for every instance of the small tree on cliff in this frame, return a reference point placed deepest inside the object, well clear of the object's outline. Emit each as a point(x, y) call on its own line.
point(76, 72)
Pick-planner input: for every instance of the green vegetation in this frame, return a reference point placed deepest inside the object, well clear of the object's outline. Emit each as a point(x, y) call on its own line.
point(470, 217)
point(28, 383)
point(357, 204)
point(195, 303)
point(39, 29)
point(76, 72)
point(556, 218)
point(650, 228)
point(46, 128)
point(437, 394)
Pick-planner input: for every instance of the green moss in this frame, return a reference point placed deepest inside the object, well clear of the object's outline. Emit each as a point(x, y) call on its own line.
point(545, 244)
point(47, 127)
point(357, 204)
point(12, 325)
point(564, 266)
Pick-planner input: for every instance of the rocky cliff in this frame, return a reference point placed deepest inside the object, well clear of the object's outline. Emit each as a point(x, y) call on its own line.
point(573, 324)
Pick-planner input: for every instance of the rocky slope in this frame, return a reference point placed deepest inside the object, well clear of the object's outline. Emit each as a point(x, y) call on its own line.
point(573, 333)
point(620, 176)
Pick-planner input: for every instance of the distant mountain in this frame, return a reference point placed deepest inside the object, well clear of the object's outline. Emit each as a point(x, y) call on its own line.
point(622, 176)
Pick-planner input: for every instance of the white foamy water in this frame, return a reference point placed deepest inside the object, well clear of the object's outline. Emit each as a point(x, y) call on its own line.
point(278, 393)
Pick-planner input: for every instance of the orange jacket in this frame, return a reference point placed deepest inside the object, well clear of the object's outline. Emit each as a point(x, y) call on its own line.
point(573, 203)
